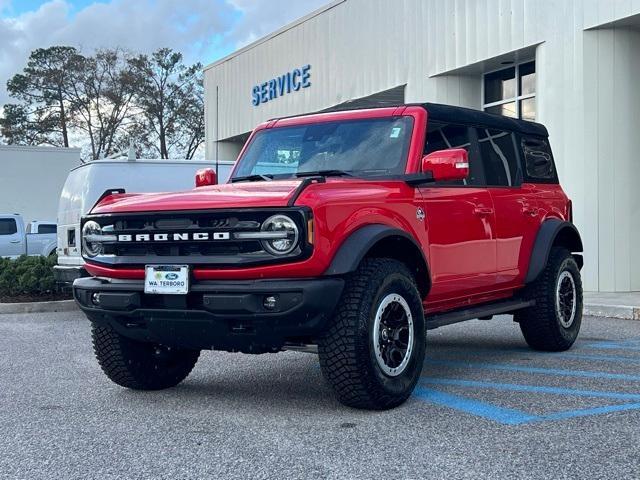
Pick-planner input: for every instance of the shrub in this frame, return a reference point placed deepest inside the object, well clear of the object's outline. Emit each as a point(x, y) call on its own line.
point(27, 275)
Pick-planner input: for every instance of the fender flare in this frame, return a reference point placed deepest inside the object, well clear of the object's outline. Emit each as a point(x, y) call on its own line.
point(549, 231)
point(360, 242)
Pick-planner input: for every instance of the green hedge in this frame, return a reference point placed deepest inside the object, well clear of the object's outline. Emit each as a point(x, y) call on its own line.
point(27, 275)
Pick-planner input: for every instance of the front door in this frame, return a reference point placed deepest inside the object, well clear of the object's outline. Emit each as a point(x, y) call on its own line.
point(11, 244)
point(460, 222)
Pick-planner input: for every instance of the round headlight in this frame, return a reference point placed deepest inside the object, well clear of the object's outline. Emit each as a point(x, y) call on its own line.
point(90, 246)
point(284, 225)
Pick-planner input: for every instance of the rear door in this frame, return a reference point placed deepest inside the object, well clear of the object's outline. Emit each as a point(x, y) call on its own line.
point(517, 213)
point(11, 238)
point(460, 222)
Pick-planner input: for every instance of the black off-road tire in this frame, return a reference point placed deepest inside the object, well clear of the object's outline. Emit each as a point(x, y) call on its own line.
point(346, 350)
point(140, 365)
point(542, 324)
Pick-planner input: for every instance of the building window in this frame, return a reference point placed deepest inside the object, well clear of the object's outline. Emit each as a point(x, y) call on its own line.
point(511, 91)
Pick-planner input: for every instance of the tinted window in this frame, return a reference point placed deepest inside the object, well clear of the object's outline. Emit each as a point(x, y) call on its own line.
point(497, 149)
point(538, 159)
point(441, 136)
point(8, 226)
point(370, 146)
point(47, 228)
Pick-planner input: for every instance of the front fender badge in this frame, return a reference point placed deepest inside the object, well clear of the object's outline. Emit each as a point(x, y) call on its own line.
point(420, 214)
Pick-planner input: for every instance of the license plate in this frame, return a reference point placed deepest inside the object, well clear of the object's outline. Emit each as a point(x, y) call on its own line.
point(166, 279)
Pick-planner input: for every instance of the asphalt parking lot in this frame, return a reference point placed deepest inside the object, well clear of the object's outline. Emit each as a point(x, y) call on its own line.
point(487, 407)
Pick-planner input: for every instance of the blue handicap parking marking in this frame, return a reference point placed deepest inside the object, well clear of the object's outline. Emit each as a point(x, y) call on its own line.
point(507, 416)
point(545, 371)
point(430, 391)
point(603, 358)
point(633, 345)
point(510, 416)
point(515, 387)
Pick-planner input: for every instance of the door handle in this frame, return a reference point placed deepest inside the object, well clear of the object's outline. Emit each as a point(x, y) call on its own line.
point(14, 241)
point(483, 211)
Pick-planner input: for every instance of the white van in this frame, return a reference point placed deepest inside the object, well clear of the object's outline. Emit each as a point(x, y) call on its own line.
point(86, 184)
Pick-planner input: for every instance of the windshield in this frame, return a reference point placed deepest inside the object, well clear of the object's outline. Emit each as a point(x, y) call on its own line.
point(358, 147)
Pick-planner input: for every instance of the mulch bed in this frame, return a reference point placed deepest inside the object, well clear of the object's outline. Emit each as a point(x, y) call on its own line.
point(35, 298)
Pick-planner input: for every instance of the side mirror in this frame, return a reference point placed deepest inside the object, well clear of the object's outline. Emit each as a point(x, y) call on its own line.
point(206, 176)
point(447, 165)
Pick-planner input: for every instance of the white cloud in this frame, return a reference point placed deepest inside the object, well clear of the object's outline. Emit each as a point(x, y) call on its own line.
point(198, 28)
point(189, 26)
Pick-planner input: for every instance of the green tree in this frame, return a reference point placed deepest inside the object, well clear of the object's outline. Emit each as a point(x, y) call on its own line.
point(42, 116)
point(169, 97)
point(108, 99)
point(189, 135)
point(19, 126)
point(100, 100)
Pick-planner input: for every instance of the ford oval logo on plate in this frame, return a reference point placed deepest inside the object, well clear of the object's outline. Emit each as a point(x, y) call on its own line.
point(166, 279)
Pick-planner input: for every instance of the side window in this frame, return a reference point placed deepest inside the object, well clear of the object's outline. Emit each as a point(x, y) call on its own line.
point(47, 228)
point(8, 226)
point(498, 152)
point(441, 136)
point(538, 159)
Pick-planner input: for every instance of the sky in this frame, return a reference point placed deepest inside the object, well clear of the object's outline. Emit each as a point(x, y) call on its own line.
point(203, 30)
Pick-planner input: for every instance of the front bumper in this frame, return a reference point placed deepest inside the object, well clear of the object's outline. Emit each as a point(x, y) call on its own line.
point(215, 314)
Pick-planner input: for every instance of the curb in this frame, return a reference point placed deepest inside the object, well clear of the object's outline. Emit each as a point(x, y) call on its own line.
point(39, 307)
point(626, 312)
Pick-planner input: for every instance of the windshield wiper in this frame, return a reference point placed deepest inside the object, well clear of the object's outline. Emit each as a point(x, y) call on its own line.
point(252, 178)
point(325, 173)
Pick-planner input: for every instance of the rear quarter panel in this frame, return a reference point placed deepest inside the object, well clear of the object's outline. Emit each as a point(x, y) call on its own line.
point(552, 202)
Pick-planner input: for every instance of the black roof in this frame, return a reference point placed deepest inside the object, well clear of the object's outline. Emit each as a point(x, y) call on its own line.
point(469, 116)
point(450, 114)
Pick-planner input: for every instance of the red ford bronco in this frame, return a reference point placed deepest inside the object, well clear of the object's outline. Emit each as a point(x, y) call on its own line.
point(348, 233)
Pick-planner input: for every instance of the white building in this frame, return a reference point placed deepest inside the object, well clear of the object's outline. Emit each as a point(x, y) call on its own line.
point(31, 179)
point(573, 65)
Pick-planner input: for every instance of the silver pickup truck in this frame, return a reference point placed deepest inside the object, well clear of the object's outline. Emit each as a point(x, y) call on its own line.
point(34, 238)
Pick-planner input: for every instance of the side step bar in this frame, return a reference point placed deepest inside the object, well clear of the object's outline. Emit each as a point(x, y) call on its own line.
point(449, 318)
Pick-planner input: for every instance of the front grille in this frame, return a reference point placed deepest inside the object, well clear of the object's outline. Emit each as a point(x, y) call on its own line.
point(157, 242)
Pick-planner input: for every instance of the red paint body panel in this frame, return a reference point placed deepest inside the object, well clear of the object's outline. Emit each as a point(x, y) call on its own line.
point(339, 206)
point(477, 241)
point(461, 241)
point(239, 195)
